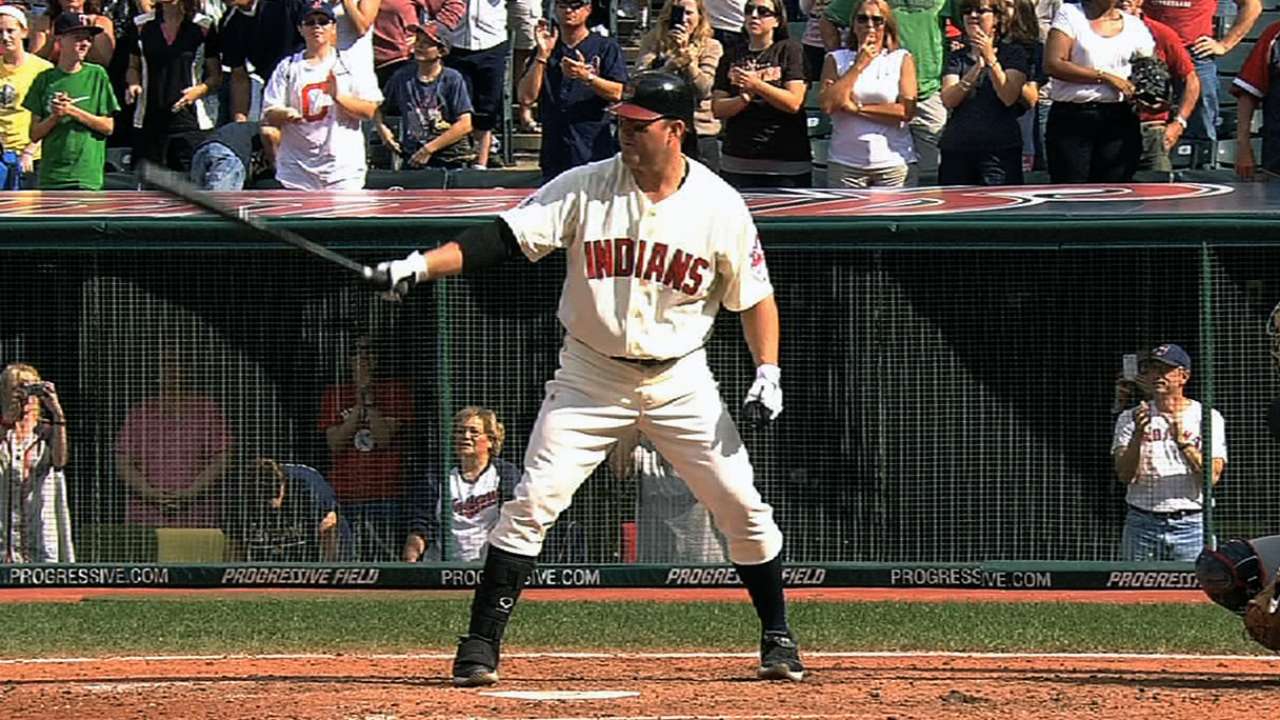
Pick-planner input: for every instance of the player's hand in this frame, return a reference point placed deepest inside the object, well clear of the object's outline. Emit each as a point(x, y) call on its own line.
point(132, 93)
point(764, 399)
point(403, 274)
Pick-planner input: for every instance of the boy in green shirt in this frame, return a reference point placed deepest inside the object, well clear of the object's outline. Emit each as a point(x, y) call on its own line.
point(71, 106)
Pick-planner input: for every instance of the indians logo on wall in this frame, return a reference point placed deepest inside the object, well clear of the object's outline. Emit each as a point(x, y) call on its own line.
point(779, 204)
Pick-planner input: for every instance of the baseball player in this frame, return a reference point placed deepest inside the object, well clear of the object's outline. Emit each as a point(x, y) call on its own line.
point(649, 266)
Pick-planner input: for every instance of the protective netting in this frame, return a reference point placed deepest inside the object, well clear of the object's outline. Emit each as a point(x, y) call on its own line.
point(941, 405)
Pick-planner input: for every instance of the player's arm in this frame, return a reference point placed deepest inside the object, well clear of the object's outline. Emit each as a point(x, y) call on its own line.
point(760, 326)
point(477, 248)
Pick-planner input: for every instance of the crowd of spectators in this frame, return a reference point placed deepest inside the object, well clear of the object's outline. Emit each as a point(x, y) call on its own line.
point(959, 92)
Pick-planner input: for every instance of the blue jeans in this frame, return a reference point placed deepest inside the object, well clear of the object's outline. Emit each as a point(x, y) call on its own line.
point(215, 167)
point(1147, 537)
point(1203, 123)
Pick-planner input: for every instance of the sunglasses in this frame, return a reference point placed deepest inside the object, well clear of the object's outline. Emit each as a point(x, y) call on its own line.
point(572, 5)
point(978, 11)
point(876, 20)
point(760, 11)
point(316, 22)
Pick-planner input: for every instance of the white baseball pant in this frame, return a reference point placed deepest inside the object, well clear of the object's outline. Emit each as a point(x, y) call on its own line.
point(591, 402)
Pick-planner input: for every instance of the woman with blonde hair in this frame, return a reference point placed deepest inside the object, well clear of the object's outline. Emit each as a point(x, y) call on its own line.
point(869, 90)
point(681, 42)
point(35, 523)
point(477, 486)
point(982, 89)
point(178, 46)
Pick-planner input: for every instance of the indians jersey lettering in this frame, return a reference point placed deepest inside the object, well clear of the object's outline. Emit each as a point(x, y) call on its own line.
point(475, 510)
point(645, 279)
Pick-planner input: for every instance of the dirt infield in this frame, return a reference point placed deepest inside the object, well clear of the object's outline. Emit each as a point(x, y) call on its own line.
point(675, 686)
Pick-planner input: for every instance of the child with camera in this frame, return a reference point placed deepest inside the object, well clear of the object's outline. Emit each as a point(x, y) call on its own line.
point(35, 523)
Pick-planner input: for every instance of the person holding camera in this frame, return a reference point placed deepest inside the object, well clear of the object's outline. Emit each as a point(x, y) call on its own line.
point(35, 523)
point(681, 42)
point(1159, 453)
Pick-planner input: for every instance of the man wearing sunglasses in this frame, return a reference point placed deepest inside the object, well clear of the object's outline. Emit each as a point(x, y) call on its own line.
point(656, 243)
point(573, 77)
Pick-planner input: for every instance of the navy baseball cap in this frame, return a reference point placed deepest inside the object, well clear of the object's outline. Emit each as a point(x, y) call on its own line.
point(1172, 355)
point(318, 7)
point(74, 22)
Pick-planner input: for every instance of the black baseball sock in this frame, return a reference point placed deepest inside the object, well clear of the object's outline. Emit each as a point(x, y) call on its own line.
point(504, 577)
point(764, 584)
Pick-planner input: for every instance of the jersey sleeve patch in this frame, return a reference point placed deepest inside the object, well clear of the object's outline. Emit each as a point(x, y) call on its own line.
point(759, 268)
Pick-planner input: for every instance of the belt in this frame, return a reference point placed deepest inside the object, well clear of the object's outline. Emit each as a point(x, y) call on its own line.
point(652, 362)
point(644, 362)
point(1174, 515)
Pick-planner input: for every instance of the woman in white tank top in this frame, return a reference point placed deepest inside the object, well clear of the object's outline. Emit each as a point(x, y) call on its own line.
point(869, 90)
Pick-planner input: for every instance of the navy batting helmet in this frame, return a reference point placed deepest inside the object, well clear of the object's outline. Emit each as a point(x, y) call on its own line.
point(655, 94)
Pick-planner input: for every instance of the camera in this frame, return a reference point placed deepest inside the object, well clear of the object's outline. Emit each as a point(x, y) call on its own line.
point(1128, 393)
point(677, 17)
point(27, 390)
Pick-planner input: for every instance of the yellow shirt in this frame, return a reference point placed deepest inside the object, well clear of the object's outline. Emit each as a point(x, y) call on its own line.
point(15, 121)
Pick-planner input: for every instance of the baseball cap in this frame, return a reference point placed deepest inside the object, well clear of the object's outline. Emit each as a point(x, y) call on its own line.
point(655, 94)
point(14, 12)
point(1171, 354)
point(318, 7)
point(434, 32)
point(74, 22)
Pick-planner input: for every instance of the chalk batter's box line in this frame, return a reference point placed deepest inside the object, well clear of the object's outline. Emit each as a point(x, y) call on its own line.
point(869, 655)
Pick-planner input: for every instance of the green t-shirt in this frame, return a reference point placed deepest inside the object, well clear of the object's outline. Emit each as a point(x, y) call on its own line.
point(919, 30)
point(73, 156)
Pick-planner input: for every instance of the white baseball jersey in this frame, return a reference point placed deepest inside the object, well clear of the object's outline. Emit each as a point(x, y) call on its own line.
point(326, 150)
point(475, 507)
point(644, 279)
point(1165, 481)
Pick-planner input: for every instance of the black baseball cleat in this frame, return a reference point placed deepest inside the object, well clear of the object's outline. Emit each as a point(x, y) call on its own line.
point(779, 658)
point(476, 663)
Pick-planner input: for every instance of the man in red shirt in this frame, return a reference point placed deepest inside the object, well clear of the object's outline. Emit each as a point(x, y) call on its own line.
point(362, 422)
point(1252, 87)
point(1162, 127)
point(1192, 20)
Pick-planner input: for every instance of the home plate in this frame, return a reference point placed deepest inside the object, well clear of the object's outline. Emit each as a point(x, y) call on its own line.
point(562, 694)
